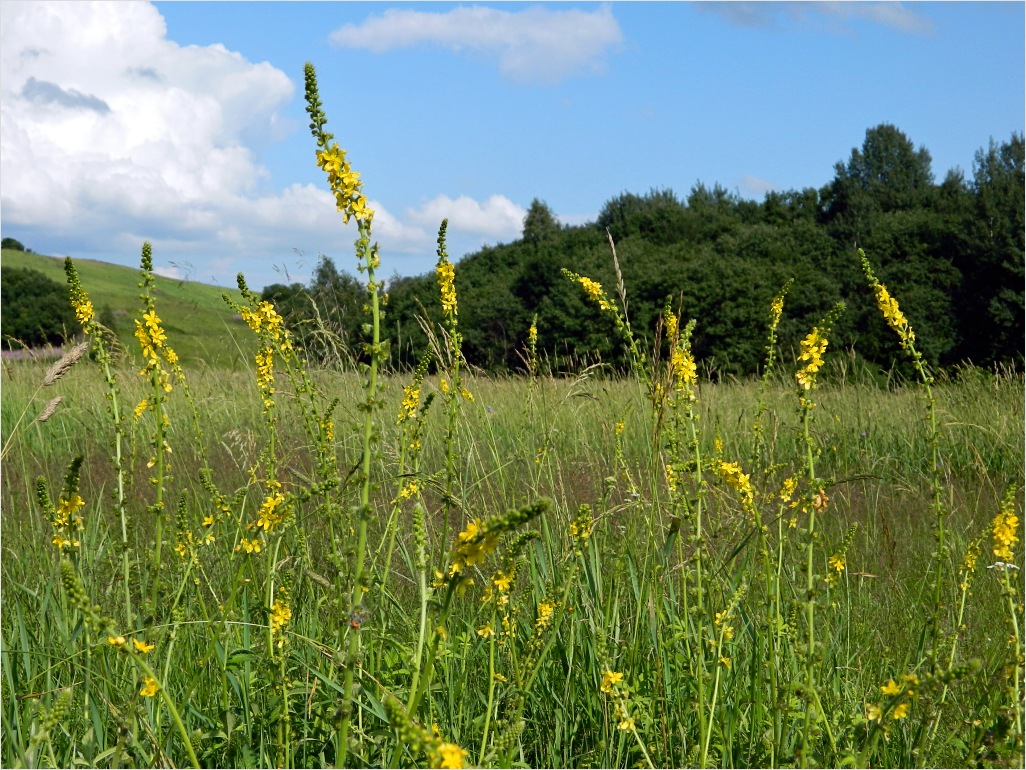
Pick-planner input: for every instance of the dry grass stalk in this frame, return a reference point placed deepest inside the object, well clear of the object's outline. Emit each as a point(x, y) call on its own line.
point(68, 360)
point(49, 409)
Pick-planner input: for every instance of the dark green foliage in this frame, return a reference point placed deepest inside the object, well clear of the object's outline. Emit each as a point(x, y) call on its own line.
point(11, 243)
point(539, 223)
point(36, 310)
point(953, 253)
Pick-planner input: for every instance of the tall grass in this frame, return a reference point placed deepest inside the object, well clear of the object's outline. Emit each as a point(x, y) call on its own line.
point(296, 567)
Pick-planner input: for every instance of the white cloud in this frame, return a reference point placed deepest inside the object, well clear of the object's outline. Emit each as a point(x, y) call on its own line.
point(833, 15)
point(497, 218)
point(112, 134)
point(756, 187)
point(532, 45)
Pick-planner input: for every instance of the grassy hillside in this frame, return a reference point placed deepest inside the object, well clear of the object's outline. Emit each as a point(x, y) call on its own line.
point(200, 326)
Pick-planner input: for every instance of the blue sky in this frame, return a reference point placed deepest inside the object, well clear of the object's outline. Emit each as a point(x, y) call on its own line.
point(184, 123)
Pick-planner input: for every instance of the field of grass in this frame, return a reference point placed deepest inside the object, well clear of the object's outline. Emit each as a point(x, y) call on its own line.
point(277, 565)
point(199, 319)
point(621, 601)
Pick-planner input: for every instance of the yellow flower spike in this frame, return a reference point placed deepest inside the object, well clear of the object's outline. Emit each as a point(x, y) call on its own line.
point(452, 756)
point(1004, 531)
point(610, 679)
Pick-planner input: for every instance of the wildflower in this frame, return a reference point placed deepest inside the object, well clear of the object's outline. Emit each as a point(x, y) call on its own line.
point(788, 488)
point(500, 678)
point(733, 475)
point(486, 631)
point(472, 546)
point(813, 348)
point(873, 713)
point(451, 755)
point(208, 521)
point(280, 615)
point(891, 688)
point(149, 688)
point(83, 311)
point(725, 661)
point(627, 724)
point(117, 641)
point(544, 614)
point(410, 404)
point(1004, 529)
point(684, 368)
point(609, 680)
point(141, 407)
point(249, 546)
point(900, 711)
point(142, 646)
point(502, 581)
point(446, 276)
point(267, 518)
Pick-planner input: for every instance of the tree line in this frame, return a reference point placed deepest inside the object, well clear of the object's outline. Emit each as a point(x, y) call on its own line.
point(951, 252)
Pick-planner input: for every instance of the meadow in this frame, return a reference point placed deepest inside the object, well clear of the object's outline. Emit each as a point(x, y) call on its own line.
point(286, 565)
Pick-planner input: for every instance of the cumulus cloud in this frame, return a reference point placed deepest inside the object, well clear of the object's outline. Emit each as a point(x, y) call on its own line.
point(535, 44)
point(112, 134)
point(834, 15)
point(497, 218)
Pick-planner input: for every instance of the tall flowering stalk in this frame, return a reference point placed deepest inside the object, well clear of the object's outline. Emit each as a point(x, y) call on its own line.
point(810, 360)
point(593, 291)
point(899, 324)
point(86, 316)
point(449, 362)
point(1005, 534)
point(159, 362)
point(350, 201)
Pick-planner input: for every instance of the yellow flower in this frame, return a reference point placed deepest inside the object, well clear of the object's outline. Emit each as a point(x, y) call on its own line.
point(207, 521)
point(486, 631)
point(837, 562)
point(725, 661)
point(873, 713)
point(502, 581)
point(410, 403)
point(627, 724)
point(142, 646)
point(280, 615)
point(249, 546)
point(451, 755)
point(900, 711)
point(446, 276)
point(813, 348)
point(1004, 529)
point(267, 518)
point(149, 688)
point(609, 680)
point(84, 311)
point(117, 641)
point(544, 614)
point(891, 688)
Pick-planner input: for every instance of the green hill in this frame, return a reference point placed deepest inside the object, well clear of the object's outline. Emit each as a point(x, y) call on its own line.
point(200, 326)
